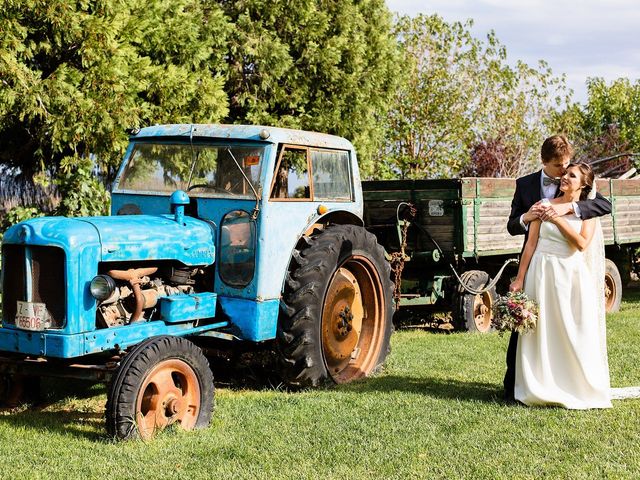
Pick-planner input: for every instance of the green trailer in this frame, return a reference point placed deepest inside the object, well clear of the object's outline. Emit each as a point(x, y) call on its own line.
point(441, 234)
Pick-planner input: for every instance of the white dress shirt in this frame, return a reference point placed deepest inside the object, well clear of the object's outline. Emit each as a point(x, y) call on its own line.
point(548, 191)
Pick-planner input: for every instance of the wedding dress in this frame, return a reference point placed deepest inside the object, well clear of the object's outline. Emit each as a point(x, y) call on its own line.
point(563, 362)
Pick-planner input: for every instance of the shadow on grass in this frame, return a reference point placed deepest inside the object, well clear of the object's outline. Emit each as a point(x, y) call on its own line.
point(57, 410)
point(88, 425)
point(631, 293)
point(442, 388)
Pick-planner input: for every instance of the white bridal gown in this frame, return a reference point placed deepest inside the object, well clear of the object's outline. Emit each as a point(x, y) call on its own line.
point(563, 362)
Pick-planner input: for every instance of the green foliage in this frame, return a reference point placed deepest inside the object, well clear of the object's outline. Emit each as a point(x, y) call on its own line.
point(82, 194)
point(615, 104)
point(606, 126)
point(323, 66)
point(17, 215)
point(75, 75)
point(459, 91)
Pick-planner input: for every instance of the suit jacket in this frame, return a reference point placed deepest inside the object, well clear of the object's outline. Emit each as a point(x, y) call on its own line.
point(528, 191)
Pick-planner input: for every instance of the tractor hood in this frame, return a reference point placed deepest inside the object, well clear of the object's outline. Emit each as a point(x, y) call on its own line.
point(123, 238)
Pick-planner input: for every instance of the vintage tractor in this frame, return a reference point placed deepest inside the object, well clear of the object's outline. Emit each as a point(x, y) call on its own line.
point(240, 233)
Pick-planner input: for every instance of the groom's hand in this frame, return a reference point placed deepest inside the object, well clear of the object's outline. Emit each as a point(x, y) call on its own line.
point(550, 212)
point(534, 213)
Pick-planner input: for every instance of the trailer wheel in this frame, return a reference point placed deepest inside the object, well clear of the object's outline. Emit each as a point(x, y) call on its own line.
point(163, 381)
point(612, 287)
point(337, 309)
point(475, 311)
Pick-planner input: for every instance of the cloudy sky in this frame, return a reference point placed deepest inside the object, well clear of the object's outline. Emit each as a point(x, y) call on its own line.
point(581, 38)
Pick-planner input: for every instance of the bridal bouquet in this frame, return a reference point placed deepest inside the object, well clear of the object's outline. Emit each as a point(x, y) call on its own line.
point(514, 312)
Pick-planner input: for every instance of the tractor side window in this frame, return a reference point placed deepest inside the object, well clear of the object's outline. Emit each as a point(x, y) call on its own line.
point(331, 175)
point(237, 260)
point(292, 175)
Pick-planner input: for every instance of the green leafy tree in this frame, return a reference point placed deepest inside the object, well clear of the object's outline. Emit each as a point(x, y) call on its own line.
point(605, 130)
point(16, 215)
point(81, 192)
point(75, 75)
point(458, 94)
point(323, 66)
point(615, 104)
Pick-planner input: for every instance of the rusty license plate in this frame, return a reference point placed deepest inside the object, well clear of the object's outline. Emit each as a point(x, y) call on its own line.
point(32, 316)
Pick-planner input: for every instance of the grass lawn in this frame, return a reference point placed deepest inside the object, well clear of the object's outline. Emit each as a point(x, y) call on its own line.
point(434, 412)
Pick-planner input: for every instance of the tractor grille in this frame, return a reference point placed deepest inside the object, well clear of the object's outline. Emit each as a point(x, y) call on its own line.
point(47, 281)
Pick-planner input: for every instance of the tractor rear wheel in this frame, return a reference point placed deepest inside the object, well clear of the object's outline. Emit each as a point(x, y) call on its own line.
point(337, 309)
point(163, 381)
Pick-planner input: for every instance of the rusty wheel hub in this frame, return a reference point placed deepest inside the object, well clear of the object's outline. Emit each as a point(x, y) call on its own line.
point(170, 394)
point(482, 311)
point(609, 291)
point(345, 321)
point(352, 320)
point(342, 319)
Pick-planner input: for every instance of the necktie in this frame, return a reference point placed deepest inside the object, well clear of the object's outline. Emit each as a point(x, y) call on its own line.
point(546, 181)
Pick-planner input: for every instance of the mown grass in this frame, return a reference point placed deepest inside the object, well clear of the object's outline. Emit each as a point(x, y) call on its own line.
point(434, 412)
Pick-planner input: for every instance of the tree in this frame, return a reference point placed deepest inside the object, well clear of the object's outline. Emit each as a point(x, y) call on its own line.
point(458, 93)
point(607, 127)
point(496, 157)
point(325, 66)
point(75, 75)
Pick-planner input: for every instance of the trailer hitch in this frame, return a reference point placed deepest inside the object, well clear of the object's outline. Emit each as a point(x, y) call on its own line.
point(489, 285)
point(412, 212)
point(399, 258)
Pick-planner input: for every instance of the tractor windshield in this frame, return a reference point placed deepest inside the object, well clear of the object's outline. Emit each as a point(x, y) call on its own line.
point(201, 170)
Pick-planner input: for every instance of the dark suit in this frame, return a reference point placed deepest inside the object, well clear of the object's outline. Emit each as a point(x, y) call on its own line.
point(529, 191)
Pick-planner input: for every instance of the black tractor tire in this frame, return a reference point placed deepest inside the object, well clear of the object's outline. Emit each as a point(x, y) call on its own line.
point(337, 309)
point(612, 287)
point(163, 381)
point(474, 312)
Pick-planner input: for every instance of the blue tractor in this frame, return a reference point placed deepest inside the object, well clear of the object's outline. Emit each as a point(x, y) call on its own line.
point(240, 233)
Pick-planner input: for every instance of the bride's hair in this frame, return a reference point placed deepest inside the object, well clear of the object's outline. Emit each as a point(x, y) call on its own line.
point(587, 177)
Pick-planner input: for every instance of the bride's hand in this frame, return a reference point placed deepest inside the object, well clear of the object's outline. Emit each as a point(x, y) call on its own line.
point(553, 212)
point(516, 285)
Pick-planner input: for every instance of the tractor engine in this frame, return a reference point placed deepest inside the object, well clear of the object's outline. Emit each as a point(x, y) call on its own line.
point(132, 295)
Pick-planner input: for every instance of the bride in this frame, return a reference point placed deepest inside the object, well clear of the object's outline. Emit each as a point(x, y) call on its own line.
point(563, 362)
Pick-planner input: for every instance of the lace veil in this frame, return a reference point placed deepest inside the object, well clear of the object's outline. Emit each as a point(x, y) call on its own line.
point(595, 260)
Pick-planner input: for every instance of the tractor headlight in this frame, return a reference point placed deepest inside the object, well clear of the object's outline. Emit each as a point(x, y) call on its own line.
point(102, 287)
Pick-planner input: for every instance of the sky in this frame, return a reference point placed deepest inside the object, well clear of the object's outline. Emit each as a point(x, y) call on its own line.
point(580, 38)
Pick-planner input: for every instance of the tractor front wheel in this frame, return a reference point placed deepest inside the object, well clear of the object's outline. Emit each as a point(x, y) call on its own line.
point(163, 381)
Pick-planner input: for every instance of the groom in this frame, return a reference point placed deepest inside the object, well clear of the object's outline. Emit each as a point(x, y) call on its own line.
point(556, 153)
